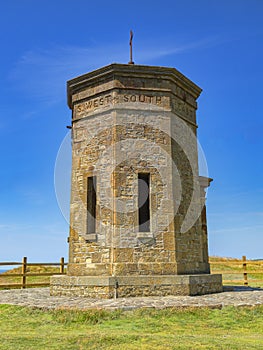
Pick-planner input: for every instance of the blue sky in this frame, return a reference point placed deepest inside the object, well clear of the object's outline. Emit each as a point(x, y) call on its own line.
point(217, 44)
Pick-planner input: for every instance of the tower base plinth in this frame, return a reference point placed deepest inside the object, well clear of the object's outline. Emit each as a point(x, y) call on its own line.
point(107, 287)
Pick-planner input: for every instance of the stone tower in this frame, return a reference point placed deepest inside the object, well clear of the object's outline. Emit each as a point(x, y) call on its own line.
point(137, 212)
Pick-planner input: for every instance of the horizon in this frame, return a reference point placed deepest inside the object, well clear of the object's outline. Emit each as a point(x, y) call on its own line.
point(217, 46)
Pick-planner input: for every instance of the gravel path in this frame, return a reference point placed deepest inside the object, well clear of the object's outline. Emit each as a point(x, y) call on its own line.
point(40, 298)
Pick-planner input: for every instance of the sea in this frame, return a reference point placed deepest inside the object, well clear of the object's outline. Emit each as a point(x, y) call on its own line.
point(2, 271)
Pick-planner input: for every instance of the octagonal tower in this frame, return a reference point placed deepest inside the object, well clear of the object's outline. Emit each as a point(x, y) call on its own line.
point(137, 212)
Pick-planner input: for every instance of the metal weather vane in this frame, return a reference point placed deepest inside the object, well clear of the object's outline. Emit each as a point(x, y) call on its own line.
point(131, 38)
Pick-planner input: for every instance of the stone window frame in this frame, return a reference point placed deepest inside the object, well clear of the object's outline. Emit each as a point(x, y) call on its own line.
point(144, 212)
point(145, 236)
point(90, 236)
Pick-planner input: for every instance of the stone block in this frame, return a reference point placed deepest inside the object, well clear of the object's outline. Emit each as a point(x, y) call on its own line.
point(123, 255)
point(132, 286)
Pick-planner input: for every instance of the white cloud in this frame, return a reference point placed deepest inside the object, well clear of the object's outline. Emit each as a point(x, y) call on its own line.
point(31, 195)
point(13, 227)
point(41, 241)
point(249, 229)
point(41, 73)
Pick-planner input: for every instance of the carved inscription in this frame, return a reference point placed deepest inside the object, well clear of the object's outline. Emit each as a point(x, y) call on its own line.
point(183, 109)
point(179, 106)
point(112, 99)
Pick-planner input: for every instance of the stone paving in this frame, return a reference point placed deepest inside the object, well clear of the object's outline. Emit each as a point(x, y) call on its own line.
point(40, 298)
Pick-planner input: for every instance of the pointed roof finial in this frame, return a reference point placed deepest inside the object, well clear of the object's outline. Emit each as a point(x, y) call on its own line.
point(131, 37)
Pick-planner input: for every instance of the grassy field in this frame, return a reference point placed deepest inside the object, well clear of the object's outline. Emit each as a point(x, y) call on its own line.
point(229, 328)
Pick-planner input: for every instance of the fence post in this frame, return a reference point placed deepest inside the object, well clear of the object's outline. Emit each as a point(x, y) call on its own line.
point(24, 265)
point(245, 270)
point(62, 263)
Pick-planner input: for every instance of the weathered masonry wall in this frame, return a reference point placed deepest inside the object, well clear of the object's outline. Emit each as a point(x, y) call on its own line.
point(130, 120)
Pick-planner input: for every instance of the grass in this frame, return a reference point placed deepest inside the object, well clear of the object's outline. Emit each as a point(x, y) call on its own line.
point(229, 328)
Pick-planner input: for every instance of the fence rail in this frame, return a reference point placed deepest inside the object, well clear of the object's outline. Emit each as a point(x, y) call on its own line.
point(244, 268)
point(25, 273)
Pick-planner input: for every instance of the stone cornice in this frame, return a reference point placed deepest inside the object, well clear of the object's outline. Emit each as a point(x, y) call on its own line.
point(113, 72)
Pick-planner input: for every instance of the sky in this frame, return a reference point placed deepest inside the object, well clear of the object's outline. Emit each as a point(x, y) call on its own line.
point(216, 44)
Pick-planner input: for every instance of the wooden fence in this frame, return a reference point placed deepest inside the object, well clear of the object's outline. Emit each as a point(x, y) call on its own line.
point(245, 269)
point(249, 271)
point(25, 273)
